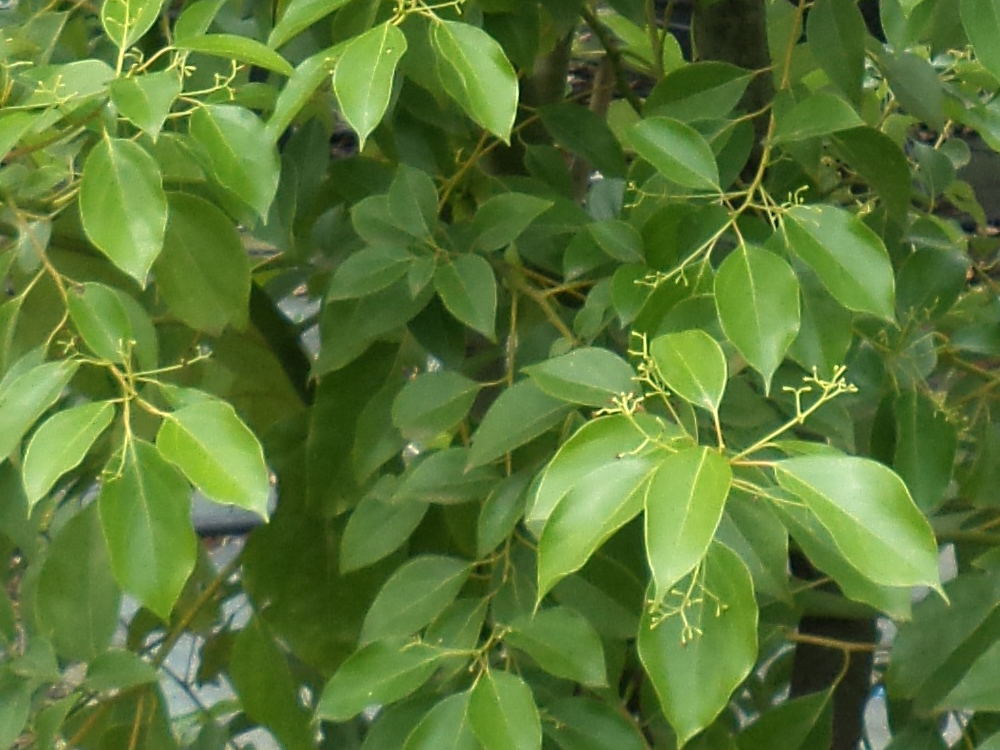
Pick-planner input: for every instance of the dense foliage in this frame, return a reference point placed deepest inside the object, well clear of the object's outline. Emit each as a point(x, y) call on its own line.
point(552, 344)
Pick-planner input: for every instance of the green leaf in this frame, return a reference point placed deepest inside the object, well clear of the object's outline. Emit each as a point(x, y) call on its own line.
point(503, 218)
point(753, 531)
point(818, 114)
point(299, 89)
point(118, 670)
point(926, 444)
point(797, 724)
point(146, 100)
point(414, 595)
point(369, 270)
point(825, 330)
point(916, 85)
point(881, 163)
point(849, 258)
point(196, 17)
point(203, 272)
point(25, 397)
point(126, 21)
point(122, 205)
point(237, 47)
point(503, 714)
point(445, 477)
point(363, 77)
point(77, 601)
point(696, 667)
point(15, 706)
point(591, 376)
point(60, 444)
point(521, 413)
point(413, 201)
point(217, 453)
point(580, 131)
point(101, 319)
point(678, 151)
point(692, 365)
point(299, 15)
point(432, 403)
point(889, 541)
point(377, 674)
point(239, 153)
point(476, 74)
point(445, 727)
point(563, 643)
point(836, 33)
point(757, 296)
point(500, 513)
point(468, 289)
point(619, 239)
point(376, 528)
point(13, 127)
point(145, 507)
point(981, 19)
point(705, 90)
point(684, 503)
point(588, 724)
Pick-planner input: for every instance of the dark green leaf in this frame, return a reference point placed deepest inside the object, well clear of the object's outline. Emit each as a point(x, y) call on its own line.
point(705, 90)
point(468, 289)
point(500, 513)
point(445, 727)
point(413, 201)
point(118, 670)
point(926, 443)
point(589, 376)
point(981, 19)
point(369, 270)
point(376, 528)
point(819, 114)
point(589, 724)
point(563, 643)
point(836, 32)
point(501, 220)
point(503, 714)
point(432, 403)
point(580, 131)
point(880, 162)
point(446, 477)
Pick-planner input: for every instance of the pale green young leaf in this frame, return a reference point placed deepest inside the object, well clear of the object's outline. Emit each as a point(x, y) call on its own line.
point(432, 403)
point(757, 296)
point(24, 398)
point(888, 540)
point(590, 375)
point(376, 528)
point(203, 272)
point(836, 33)
point(101, 319)
point(981, 19)
point(145, 508)
point(299, 15)
point(692, 365)
point(60, 444)
point(126, 21)
point(503, 714)
point(146, 100)
point(468, 288)
point(695, 669)
point(377, 674)
point(370, 269)
point(363, 77)
point(236, 47)
point(239, 152)
point(217, 453)
point(414, 595)
point(684, 503)
point(504, 217)
point(122, 205)
point(476, 74)
point(563, 643)
point(678, 151)
point(445, 727)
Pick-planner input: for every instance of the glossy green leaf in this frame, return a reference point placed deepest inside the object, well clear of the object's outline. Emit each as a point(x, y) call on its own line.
point(563, 643)
point(25, 397)
point(476, 74)
point(684, 503)
point(239, 153)
point(414, 595)
point(126, 21)
point(503, 218)
point(870, 514)
point(445, 727)
point(521, 413)
point(981, 19)
point(695, 668)
point(503, 714)
point(204, 270)
point(60, 444)
point(300, 88)
point(819, 114)
point(432, 403)
point(704, 90)
point(678, 151)
point(376, 528)
point(145, 507)
point(757, 296)
point(591, 376)
point(836, 32)
point(237, 47)
point(299, 15)
point(847, 256)
point(102, 319)
point(217, 453)
point(446, 477)
point(146, 100)
point(468, 288)
point(363, 77)
point(122, 205)
point(692, 365)
point(377, 674)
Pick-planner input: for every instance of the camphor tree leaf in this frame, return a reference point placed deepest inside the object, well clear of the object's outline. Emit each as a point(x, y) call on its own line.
point(25, 397)
point(468, 288)
point(445, 727)
point(204, 270)
point(696, 667)
point(445, 477)
point(412, 200)
point(692, 365)
point(122, 205)
point(125, 21)
point(818, 114)
point(239, 153)
point(870, 514)
point(504, 217)
point(678, 151)
point(926, 443)
point(757, 296)
point(60, 444)
point(414, 595)
point(377, 674)
point(836, 32)
point(145, 508)
point(433, 402)
point(146, 100)
point(503, 714)
point(684, 503)
point(363, 77)
point(237, 47)
point(563, 643)
point(981, 19)
point(476, 74)
point(369, 270)
point(501, 512)
point(101, 319)
point(217, 453)
point(300, 87)
point(847, 256)
point(590, 376)
point(298, 16)
point(376, 528)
